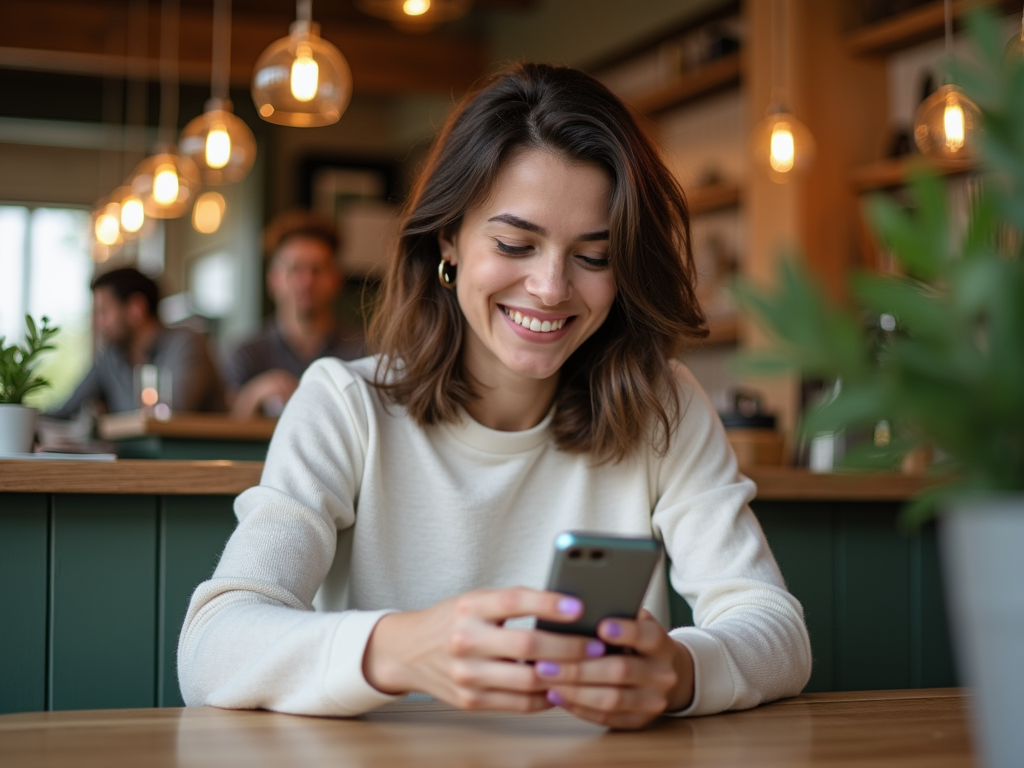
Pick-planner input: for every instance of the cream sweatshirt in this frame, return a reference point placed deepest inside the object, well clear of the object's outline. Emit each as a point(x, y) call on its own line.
point(360, 512)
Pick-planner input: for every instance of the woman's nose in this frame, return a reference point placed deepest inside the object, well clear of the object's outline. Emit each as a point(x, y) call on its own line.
point(549, 280)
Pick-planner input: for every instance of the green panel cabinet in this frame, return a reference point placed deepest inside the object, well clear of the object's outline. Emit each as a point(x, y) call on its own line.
point(102, 650)
point(24, 534)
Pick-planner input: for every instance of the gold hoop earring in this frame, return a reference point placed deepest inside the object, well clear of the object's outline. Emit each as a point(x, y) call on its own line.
point(447, 278)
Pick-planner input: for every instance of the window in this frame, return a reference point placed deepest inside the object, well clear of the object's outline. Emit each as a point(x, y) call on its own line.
point(45, 269)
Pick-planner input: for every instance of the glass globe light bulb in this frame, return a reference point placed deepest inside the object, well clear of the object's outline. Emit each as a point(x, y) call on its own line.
point(107, 226)
point(219, 143)
point(416, 15)
point(415, 7)
point(208, 212)
point(166, 183)
point(305, 74)
point(133, 215)
point(218, 146)
point(782, 146)
point(301, 80)
point(945, 126)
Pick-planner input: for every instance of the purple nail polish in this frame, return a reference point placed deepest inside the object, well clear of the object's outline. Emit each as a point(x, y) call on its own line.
point(613, 629)
point(547, 668)
point(595, 648)
point(569, 606)
point(555, 698)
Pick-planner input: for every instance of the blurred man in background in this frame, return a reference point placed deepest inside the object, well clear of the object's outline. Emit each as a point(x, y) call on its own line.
point(130, 333)
point(303, 279)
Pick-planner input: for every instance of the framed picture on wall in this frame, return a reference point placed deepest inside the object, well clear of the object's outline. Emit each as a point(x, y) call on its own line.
point(358, 195)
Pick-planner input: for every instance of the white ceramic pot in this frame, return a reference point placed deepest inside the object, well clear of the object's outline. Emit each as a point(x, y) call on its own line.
point(17, 428)
point(983, 559)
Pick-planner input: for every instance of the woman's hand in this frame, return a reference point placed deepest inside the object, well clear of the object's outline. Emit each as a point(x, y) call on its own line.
point(624, 691)
point(457, 651)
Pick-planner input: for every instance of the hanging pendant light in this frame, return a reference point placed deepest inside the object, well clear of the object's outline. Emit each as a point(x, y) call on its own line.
point(166, 182)
point(301, 80)
point(106, 223)
point(781, 145)
point(132, 213)
point(416, 15)
point(946, 124)
point(218, 141)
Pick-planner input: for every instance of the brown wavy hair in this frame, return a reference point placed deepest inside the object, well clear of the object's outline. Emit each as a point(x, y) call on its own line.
point(617, 389)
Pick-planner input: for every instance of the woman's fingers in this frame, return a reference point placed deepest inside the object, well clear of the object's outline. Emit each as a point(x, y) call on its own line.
point(644, 635)
point(522, 644)
point(618, 670)
point(499, 604)
point(610, 705)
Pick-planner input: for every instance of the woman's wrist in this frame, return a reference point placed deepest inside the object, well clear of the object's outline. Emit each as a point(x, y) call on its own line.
point(681, 695)
point(382, 667)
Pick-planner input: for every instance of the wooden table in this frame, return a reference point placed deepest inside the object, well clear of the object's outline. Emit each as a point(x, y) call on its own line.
point(896, 729)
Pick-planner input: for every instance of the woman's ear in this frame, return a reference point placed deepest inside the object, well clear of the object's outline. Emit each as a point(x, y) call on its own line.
point(446, 240)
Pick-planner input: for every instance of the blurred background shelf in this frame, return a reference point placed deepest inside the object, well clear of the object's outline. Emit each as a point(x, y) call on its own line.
point(714, 197)
point(895, 172)
point(926, 22)
point(710, 78)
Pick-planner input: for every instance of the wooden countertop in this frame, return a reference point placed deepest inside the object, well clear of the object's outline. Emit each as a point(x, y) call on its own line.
point(202, 426)
point(174, 478)
point(233, 477)
point(896, 729)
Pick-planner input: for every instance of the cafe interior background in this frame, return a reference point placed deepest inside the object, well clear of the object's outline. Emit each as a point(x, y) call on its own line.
point(86, 100)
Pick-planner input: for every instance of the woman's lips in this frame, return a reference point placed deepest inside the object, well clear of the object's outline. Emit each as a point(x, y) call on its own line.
point(537, 326)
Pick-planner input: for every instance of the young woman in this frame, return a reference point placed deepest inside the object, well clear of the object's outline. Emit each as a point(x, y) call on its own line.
point(526, 384)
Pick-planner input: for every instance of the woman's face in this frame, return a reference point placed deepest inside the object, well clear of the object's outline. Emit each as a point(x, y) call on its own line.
point(533, 277)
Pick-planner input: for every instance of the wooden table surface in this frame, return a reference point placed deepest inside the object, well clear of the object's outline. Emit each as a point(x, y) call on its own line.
point(896, 729)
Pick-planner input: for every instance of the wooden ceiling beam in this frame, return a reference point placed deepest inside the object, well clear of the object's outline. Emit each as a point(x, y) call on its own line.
point(91, 39)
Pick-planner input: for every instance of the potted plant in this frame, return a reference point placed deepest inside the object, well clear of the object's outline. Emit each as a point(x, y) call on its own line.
point(18, 377)
point(946, 369)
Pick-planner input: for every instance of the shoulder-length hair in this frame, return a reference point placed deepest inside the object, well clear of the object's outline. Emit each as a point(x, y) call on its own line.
point(617, 389)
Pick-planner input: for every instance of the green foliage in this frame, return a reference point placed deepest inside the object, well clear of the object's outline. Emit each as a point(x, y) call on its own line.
point(18, 363)
point(952, 373)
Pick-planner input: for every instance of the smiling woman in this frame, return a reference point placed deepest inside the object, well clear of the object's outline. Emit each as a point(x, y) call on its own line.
point(525, 384)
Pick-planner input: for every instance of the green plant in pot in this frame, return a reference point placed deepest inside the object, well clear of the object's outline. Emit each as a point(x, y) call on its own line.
point(949, 372)
point(19, 377)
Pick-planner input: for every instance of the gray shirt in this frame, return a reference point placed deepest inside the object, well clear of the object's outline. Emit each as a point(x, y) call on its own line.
point(196, 385)
point(269, 350)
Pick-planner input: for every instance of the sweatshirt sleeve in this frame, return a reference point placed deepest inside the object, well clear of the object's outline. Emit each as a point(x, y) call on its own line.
point(749, 642)
point(251, 638)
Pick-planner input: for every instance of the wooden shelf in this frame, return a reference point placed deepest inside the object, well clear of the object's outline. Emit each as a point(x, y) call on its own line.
point(710, 78)
point(926, 22)
point(886, 174)
point(714, 197)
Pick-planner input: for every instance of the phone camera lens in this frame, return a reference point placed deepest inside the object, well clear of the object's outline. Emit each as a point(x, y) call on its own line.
point(596, 554)
point(575, 554)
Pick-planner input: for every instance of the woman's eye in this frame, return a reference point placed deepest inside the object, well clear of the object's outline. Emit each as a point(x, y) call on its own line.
point(596, 263)
point(512, 250)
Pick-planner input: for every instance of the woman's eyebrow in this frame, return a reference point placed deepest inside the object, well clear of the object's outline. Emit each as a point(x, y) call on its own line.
point(529, 226)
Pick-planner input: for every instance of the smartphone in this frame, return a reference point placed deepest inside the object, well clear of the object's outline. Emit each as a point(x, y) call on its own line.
point(610, 574)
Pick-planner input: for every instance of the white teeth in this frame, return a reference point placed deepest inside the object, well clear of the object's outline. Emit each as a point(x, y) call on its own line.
point(533, 323)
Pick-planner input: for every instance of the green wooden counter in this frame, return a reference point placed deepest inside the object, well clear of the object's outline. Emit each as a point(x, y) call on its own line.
point(100, 559)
